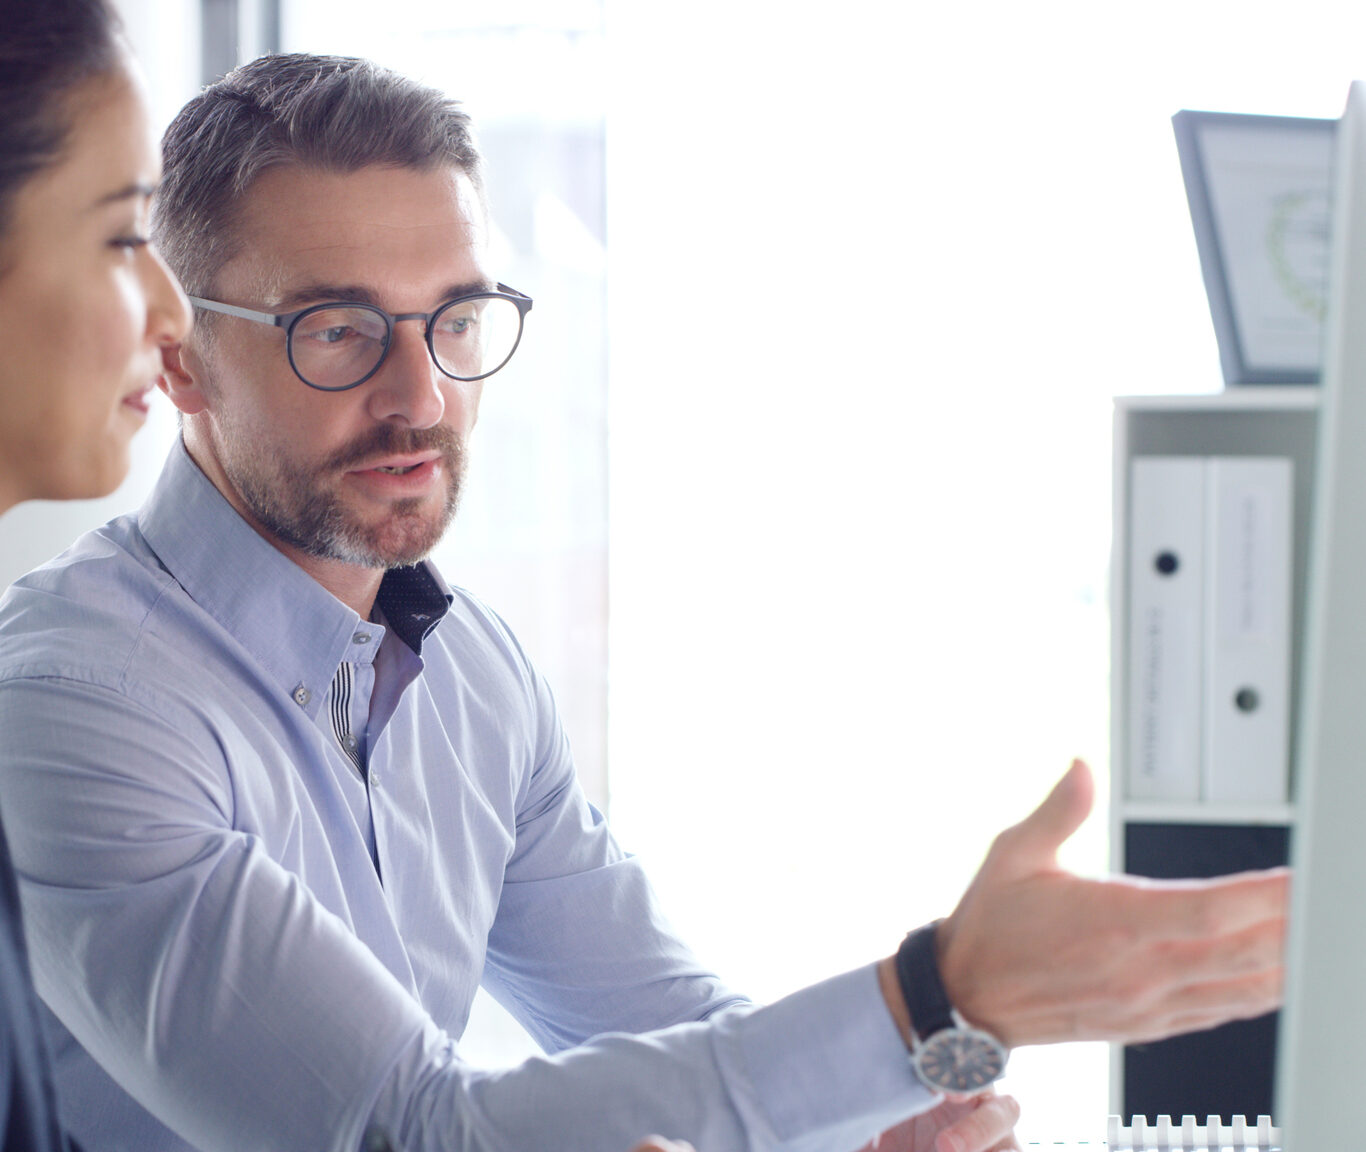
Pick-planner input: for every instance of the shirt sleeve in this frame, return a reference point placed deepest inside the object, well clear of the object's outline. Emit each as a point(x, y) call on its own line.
point(217, 991)
point(822, 1070)
point(580, 945)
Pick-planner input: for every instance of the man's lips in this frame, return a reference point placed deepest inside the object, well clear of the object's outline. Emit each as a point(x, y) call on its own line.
point(399, 465)
point(396, 463)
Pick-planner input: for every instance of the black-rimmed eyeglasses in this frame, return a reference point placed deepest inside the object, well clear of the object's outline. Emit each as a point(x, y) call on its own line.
point(336, 346)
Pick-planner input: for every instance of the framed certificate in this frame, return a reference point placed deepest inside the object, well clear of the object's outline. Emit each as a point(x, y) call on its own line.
point(1260, 192)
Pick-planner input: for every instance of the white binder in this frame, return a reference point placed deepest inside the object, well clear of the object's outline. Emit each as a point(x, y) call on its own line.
point(1166, 591)
point(1247, 629)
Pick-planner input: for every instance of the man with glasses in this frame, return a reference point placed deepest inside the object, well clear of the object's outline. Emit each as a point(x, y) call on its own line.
point(287, 798)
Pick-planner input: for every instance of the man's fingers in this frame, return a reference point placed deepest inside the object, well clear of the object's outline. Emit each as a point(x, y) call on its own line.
point(1200, 909)
point(1138, 1006)
point(1146, 1033)
point(1176, 1022)
point(988, 1126)
point(1240, 999)
point(1254, 950)
point(981, 1123)
point(1032, 845)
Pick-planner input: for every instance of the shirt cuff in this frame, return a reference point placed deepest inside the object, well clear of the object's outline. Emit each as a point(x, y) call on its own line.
point(821, 1056)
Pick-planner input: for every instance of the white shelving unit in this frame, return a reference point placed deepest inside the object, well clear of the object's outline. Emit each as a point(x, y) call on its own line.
point(1249, 421)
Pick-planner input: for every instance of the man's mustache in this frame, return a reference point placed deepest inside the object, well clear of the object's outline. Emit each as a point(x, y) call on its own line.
point(390, 440)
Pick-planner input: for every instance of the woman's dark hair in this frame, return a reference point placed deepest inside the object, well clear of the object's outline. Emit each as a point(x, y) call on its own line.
point(48, 50)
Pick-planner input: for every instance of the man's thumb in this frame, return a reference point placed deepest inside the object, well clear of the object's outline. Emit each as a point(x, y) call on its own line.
point(1033, 843)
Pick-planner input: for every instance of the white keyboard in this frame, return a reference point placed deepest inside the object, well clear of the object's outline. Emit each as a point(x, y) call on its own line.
point(1169, 1136)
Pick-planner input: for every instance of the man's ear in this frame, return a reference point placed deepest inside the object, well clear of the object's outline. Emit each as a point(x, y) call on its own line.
point(180, 373)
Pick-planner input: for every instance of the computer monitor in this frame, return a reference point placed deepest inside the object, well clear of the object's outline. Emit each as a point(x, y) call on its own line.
point(1322, 1046)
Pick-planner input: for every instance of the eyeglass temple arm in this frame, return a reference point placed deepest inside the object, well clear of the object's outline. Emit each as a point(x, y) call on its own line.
point(520, 296)
point(233, 310)
point(277, 321)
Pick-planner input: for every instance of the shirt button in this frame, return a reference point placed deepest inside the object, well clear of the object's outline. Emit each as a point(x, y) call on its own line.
point(361, 638)
point(302, 696)
point(350, 741)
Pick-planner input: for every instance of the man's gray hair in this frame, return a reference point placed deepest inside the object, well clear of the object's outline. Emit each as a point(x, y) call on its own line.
point(334, 113)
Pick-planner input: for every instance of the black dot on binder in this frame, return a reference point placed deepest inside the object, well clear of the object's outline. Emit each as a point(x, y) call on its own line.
point(1166, 563)
point(1247, 699)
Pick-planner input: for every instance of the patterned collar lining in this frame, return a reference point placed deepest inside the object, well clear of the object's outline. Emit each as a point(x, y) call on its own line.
point(413, 603)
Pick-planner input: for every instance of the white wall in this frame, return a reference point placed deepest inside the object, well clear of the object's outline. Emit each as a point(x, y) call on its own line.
point(877, 271)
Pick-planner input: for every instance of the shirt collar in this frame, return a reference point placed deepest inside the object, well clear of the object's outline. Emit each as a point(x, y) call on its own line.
point(288, 621)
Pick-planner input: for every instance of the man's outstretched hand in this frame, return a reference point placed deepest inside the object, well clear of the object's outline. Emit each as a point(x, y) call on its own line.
point(1037, 955)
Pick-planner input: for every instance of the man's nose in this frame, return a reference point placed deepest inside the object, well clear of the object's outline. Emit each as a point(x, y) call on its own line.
point(408, 388)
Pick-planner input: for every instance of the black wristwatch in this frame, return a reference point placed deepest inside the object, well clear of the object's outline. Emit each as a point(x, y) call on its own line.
point(948, 1054)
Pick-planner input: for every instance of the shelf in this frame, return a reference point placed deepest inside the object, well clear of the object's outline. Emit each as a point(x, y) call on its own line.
point(1195, 812)
point(1248, 421)
point(1252, 399)
point(1229, 1069)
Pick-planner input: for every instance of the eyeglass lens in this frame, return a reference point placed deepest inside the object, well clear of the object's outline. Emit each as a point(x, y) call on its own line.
point(335, 348)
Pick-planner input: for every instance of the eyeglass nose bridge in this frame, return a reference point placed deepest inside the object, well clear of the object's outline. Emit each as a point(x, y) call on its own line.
point(396, 318)
point(423, 316)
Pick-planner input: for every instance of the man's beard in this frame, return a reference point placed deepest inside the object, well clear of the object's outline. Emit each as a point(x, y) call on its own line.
point(290, 501)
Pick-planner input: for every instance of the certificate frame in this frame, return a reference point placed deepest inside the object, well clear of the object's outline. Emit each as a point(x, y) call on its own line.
point(1260, 196)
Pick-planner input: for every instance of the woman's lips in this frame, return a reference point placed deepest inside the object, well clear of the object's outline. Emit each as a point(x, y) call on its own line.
point(139, 400)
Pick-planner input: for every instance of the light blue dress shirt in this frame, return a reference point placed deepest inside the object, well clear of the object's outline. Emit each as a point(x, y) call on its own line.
point(246, 942)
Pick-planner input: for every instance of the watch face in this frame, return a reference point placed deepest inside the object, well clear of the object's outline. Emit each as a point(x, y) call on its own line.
point(959, 1060)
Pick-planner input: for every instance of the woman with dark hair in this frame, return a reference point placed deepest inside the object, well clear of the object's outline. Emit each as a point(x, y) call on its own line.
point(85, 308)
point(85, 303)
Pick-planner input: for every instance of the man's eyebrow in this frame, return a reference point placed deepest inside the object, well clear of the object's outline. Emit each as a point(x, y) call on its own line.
point(473, 288)
point(128, 192)
point(308, 294)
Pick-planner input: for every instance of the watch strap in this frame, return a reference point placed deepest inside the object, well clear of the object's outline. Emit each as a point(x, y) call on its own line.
point(917, 971)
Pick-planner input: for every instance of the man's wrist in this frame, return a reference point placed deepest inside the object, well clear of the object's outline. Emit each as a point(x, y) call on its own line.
point(948, 1054)
point(896, 1002)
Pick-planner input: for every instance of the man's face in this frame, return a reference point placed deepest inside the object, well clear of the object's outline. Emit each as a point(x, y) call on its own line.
point(369, 476)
